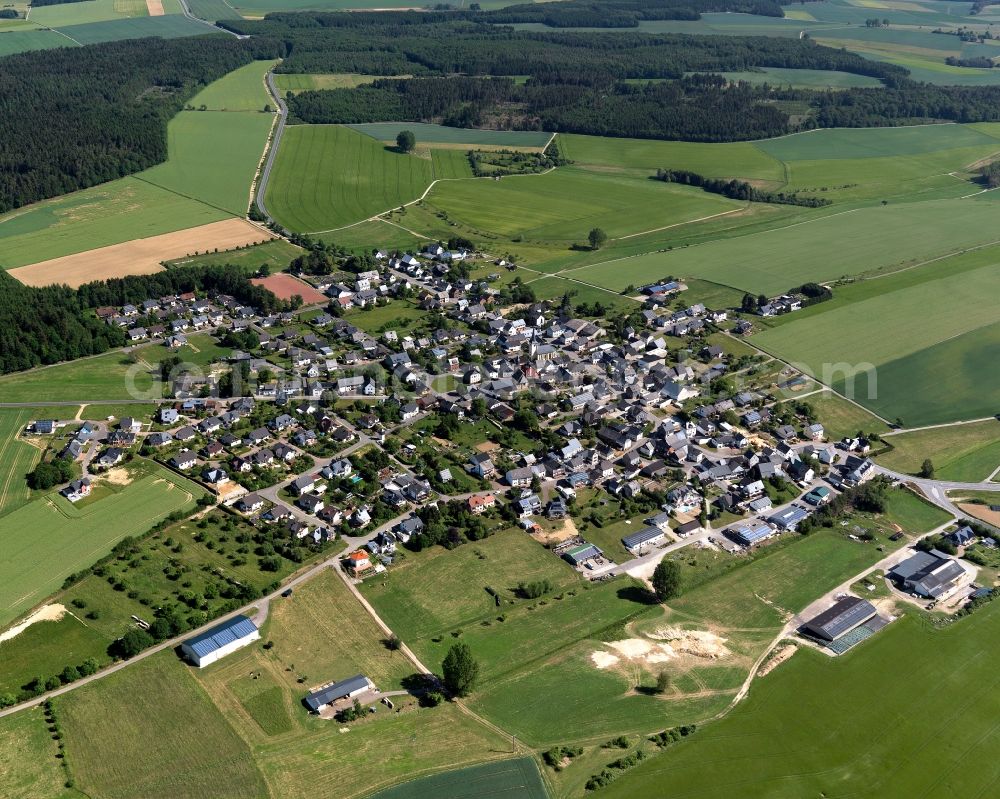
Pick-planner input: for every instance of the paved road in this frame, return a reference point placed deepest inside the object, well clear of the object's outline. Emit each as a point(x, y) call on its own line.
point(279, 131)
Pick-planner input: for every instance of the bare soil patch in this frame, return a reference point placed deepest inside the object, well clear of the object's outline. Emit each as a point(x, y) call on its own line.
point(155, 8)
point(778, 657)
point(981, 512)
point(139, 256)
point(564, 533)
point(52, 612)
point(666, 644)
point(117, 477)
point(284, 287)
point(487, 446)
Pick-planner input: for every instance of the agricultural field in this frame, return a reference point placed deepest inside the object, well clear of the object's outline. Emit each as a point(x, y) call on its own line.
point(36, 564)
point(139, 256)
point(276, 255)
point(328, 176)
point(939, 328)
point(838, 708)
point(241, 90)
point(17, 458)
point(30, 769)
point(213, 10)
point(168, 739)
point(295, 82)
point(67, 14)
point(967, 453)
point(439, 134)
point(563, 206)
point(489, 780)
point(103, 378)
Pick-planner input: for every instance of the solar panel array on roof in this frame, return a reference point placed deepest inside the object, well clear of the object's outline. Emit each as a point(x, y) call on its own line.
point(644, 536)
point(752, 532)
point(845, 615)
point(220, 635)
point(581, 553)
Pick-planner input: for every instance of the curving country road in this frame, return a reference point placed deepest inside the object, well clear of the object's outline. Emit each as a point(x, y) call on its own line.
point(265, 174)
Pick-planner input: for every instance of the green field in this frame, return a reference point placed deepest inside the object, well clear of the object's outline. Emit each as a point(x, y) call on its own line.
point(49, 539)
point(240, 90)
point(213, 156)
point(940, 327)
point(167, 738)
point(501, 779)
point(323, 632)
point(738, 159)
point(102, 378)
point(500, 561)
point(839, 727)
point(841, 418)
point(17, 458)
point(295, 83)
point(328, 176)
point(826, 248)
point(29, 768)
point(440, 134)
point(967, 453)
point(562, 206)
point(276, 254)
point(47, 647)
point(213, 10)
point(66, 14)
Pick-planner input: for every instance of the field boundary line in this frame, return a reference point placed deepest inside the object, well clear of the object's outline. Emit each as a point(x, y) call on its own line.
point(679, 224)
point(421, 199)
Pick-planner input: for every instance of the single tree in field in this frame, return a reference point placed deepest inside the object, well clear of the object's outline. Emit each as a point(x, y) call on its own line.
point(406, 141)
point(460, 670)
point(667, 580)
point(662, 682)
point(927, 469)
point(597, 238)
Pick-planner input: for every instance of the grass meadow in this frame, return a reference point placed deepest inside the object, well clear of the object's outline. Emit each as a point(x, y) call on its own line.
point(440, 134)
point(804, 78)
point(855, 732)
point(102, 378)
point(564, 205)
point(49, 539)
point(295, 82)
point(328, 176)
point(967, 453)
point(167, 739)
point(29, 768)
point(932, 369)
point(240, 90)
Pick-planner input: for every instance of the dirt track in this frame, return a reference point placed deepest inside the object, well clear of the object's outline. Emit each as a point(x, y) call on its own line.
point(140, 256)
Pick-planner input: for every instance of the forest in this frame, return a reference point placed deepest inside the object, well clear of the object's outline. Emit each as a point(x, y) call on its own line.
point(409, 43)
point(55, 323)
point(75, 117)
point(625, 13)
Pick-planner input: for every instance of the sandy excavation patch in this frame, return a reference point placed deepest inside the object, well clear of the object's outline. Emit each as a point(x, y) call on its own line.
point(140, 256)
point(560, 534)
point(671, 644)
point(117, 477)
point(155, 8)
point(48, 613)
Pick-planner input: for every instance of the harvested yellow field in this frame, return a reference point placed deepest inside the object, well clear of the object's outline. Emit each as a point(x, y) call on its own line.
point(140, 256)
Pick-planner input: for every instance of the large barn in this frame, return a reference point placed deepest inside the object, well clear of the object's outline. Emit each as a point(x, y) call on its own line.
point(220, 640)
point(841, 618)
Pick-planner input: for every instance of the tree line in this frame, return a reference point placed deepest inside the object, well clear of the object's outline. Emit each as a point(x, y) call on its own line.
point(737, 189)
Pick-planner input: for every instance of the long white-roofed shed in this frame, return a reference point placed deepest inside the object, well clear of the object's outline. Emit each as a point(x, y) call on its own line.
point(220, 640)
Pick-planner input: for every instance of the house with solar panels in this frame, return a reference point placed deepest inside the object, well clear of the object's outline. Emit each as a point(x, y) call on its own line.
point(751, 532)
point(220, 640)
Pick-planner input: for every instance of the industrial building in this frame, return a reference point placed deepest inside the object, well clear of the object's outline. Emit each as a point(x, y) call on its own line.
point(220, 640)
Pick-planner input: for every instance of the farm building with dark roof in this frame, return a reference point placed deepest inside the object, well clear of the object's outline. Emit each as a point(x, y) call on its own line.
point(841, 618)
